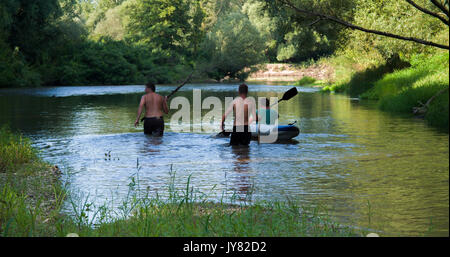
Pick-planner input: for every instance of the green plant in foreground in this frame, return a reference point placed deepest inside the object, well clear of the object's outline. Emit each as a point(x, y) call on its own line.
point(15, 150)
point(188, 212)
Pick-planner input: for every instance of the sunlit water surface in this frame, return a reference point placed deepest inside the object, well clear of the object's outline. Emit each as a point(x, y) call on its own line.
point(370, 169)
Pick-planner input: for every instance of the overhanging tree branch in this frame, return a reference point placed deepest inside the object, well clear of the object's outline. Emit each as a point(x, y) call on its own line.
point(424, 10)
point(355, 27)
point(440, 6)
point(314, 22)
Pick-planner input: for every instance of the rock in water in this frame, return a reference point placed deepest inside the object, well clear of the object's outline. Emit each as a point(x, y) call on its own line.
point(72, 235)
point(372, 235)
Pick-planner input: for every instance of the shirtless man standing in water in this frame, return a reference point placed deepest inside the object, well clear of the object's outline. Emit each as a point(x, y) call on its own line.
point(155, 107)
point(244, 110)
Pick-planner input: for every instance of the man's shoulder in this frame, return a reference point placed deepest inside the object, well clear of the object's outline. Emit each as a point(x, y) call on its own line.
point(155, 95)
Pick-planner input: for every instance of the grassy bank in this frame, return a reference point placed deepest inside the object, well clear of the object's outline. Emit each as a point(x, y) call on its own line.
point(400, 86)
point(30, 191)
point(32, 197)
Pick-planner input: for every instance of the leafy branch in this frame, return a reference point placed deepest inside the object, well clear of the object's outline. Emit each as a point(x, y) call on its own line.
point(371, 31)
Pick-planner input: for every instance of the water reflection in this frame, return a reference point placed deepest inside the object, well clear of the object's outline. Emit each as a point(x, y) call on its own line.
point(151, 144)
point(242, 183)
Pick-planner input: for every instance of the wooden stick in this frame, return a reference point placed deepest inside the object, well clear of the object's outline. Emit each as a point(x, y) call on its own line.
point(180, 86)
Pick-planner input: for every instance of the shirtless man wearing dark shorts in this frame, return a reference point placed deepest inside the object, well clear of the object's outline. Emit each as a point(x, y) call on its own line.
point(244, 110)
point(155, 107)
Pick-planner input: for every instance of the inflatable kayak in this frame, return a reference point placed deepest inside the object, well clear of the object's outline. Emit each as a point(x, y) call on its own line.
point(285, 132)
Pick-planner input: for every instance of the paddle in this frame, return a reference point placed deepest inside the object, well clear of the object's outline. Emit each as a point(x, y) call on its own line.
point(287, 96)
point(180, 86)
point(176, 89)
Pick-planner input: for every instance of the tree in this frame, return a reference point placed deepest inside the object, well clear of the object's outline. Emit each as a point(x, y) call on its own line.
point(27, 31)
point(266, 26)
point(232, 45)
point(114, 22)
point(298, 38)
point(161, 25)
point(30, 26)
point(215, 9)
point(93, 12)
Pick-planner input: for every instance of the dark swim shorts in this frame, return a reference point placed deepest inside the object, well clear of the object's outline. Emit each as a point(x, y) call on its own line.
point(154, 126)
point(241, 136)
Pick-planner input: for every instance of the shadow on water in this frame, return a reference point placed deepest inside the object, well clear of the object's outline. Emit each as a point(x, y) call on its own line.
point(151, 144)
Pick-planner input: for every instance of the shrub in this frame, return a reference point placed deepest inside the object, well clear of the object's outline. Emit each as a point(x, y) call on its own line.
point(305, 81)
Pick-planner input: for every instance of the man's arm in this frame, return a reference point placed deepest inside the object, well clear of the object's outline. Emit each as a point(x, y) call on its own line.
point(165, 107)
point(224, 117)
point(141, 108)
point(253, 117)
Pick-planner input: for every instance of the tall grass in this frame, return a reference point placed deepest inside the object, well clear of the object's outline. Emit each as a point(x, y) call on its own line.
point(186, 212)
point(15, 150)
point(399, 88)
point(183, 214)
point(405, 89)
point(362, 81)
point(425, 71)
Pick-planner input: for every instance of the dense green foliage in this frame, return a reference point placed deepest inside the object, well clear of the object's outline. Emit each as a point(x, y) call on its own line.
point(364, 80)
point(399, 89)
point(296, 38)
point(371, 66)
point(66, 42)
point(227, 54)
point(402, 90)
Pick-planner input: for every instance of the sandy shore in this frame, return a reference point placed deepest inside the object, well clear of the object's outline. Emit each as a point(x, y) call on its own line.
point(290, 72)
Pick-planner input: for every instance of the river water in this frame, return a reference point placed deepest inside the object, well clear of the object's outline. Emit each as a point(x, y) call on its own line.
point(370, 169)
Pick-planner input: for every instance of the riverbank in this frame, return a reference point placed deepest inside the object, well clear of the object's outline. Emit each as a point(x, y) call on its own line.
point(31, 193)
point(401, 86)
point(283, 72)
point(32, 197)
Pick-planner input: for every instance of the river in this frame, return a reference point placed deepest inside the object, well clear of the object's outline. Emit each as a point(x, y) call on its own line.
point(370, 169)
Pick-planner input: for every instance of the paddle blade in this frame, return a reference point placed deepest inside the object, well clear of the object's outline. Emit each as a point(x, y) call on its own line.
point(223, 134)
point(289, 94)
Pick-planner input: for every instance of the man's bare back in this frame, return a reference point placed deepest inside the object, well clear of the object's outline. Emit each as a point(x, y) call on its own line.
point(155, 107)
point(244, 110)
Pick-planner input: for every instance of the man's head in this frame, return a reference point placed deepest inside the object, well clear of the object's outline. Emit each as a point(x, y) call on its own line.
point(243, 90)
point(150, 86)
